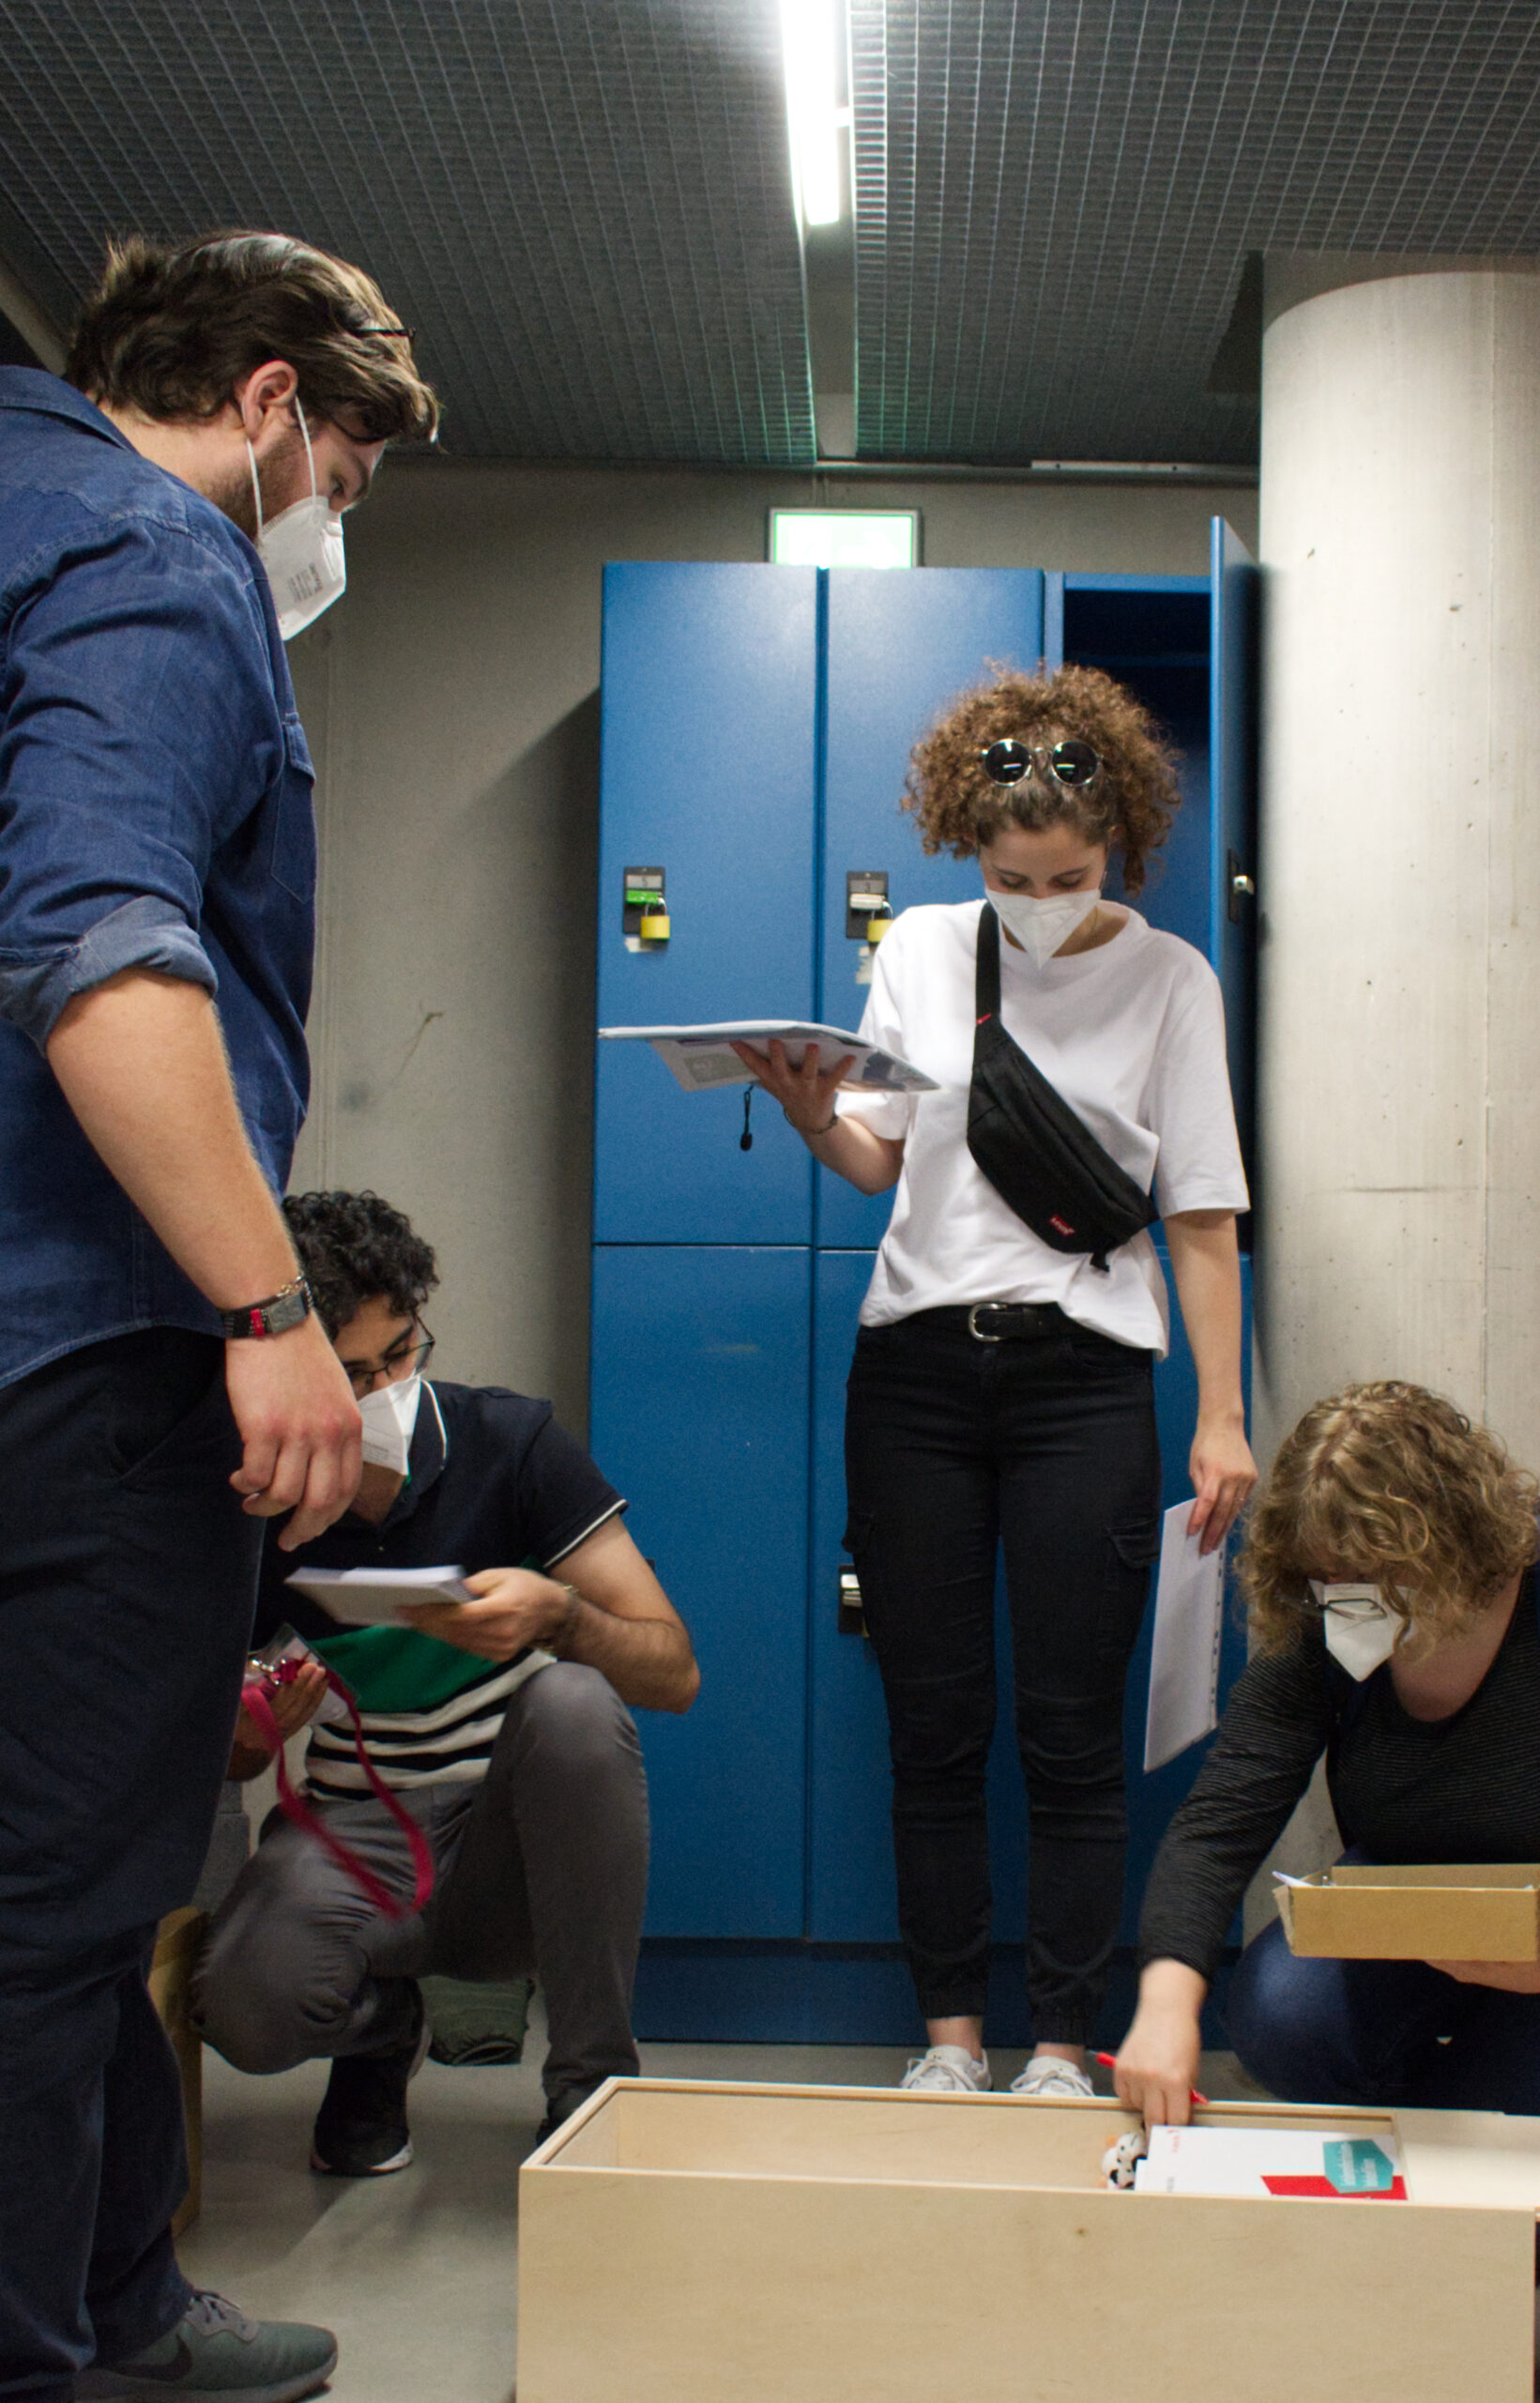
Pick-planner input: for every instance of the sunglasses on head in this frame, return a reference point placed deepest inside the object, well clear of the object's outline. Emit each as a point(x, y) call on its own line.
point(1069, 763)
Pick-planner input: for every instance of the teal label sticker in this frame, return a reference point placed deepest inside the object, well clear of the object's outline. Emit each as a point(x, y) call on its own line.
point(1357, 2165)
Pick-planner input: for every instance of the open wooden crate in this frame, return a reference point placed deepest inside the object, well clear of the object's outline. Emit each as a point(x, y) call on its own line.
point(684, 2243)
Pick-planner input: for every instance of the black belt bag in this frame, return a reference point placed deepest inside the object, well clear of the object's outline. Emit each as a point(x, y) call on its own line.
point(1038, 1154)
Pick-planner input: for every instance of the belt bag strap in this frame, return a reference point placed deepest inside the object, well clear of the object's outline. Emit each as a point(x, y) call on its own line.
point(1038, 1154)
point(294, 1807)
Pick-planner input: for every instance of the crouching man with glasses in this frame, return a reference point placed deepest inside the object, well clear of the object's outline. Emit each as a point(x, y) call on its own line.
point(500, 1724)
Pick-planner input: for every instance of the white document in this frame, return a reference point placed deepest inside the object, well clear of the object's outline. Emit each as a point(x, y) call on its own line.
point(701, 1056)
point(1322, 2161)
point(1185, 1657)
point(379, 1596)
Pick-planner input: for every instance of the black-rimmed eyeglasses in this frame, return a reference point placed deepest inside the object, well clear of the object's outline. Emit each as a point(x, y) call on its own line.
point(407, 1359)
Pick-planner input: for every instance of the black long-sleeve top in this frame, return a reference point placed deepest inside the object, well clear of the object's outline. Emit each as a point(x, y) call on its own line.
point(1465, 1789)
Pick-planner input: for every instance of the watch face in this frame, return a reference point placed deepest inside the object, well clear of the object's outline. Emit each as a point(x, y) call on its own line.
point(287, 1310)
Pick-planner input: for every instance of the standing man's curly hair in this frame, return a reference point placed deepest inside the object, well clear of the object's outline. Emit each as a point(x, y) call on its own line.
point(355, 1249)
point(1129, 807)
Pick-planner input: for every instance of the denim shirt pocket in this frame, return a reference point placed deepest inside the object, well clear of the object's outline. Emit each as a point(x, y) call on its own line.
point(293, 857)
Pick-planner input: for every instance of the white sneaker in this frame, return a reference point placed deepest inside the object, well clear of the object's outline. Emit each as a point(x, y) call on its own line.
point(947, 2069)
point(1054, 2080)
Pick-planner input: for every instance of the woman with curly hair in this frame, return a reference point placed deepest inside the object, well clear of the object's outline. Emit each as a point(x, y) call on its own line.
point(1002, 1389)
point(1390, 1572)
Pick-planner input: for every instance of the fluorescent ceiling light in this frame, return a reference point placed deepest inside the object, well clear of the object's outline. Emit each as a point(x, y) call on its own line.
point(813, 110)
point(844, 537)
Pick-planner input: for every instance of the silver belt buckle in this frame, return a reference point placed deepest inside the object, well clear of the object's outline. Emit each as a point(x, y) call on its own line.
point(975, 1329)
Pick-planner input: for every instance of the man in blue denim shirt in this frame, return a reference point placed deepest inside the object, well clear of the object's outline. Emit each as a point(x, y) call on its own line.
point(162, 1389)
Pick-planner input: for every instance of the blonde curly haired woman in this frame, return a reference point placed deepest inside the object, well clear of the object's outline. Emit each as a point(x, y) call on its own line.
point(1390, 1572)
point(1001, 1389)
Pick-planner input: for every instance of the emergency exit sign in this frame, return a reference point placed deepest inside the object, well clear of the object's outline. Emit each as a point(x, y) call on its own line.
point(844, 537)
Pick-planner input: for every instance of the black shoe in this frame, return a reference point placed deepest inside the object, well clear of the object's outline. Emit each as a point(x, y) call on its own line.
point(560, 2107)
point(360, 2129)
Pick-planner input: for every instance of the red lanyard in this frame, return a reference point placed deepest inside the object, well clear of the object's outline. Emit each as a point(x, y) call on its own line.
point(294, 1807)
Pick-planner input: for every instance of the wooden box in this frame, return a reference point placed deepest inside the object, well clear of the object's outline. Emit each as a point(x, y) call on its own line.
point(731, 2244)
point(177, 1940)
point(1357, 1913)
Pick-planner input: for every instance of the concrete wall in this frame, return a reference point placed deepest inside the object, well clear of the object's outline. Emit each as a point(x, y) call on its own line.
point(1399, 1220)
point(451, 702)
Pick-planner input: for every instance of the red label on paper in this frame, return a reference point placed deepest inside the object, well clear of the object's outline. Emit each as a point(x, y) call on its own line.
point(1394, 2193)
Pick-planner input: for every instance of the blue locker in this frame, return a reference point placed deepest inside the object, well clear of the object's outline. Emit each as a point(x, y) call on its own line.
point(1233, 592)
point(707, 766)
point(699, 1416)
point(756, 725)
point(1153, 635)
point(896, 649)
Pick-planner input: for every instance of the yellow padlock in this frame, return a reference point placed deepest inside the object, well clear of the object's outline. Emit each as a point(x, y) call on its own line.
point(655, 922)
point(877, 922)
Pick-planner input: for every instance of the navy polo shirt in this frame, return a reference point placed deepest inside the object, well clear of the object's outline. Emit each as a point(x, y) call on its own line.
point(494, 1483)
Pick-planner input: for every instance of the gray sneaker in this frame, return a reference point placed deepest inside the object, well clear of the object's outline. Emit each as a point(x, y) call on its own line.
point(947, 2068)
point(215, 2354)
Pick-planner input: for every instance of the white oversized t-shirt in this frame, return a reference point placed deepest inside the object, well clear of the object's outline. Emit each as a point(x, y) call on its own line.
point(1133, 1035)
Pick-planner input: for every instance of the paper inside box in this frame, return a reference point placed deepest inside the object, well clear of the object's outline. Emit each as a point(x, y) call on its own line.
point(1416, 1912)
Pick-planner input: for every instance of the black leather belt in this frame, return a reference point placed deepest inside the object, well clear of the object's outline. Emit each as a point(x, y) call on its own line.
point(1013, 1322)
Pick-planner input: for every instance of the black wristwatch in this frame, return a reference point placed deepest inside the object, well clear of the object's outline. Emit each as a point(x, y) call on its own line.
point(287, 1308)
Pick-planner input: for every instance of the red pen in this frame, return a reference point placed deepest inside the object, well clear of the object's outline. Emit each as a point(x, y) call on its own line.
point(1109, 2060)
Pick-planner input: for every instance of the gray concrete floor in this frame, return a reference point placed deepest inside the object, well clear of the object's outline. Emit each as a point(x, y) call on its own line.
point(418, 2273)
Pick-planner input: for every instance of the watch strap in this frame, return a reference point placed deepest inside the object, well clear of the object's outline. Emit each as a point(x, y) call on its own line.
point(287, 1308)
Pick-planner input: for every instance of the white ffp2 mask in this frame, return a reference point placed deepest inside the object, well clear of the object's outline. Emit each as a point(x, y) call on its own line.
point(389, 1417)
point(1360, 1630)
point(1042, 927)
point(301, 549)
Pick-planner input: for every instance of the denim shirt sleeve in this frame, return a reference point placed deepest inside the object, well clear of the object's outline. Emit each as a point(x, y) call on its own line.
point(140, 728)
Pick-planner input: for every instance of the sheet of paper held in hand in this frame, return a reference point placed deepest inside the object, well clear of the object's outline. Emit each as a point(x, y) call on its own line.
point(1184, 1656)
point(701, 1057)
point(379, 1596)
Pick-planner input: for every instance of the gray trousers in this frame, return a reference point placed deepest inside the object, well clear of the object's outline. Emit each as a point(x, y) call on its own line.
point(541, 1870)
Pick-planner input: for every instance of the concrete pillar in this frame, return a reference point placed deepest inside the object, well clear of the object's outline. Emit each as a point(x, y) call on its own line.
point(1399, 1205)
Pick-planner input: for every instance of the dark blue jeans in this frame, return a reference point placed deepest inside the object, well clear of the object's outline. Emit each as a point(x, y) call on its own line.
point(955, 1448)
point(1380, 2032)
point(127, 1576)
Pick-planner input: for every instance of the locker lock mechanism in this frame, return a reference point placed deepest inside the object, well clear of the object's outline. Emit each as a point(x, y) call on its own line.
point(1239, 887)
point(852, 1614)
point(865, 902)
point(644, 912)
point(868, 915)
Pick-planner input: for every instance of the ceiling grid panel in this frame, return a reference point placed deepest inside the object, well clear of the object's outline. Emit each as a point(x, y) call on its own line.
point(585, 209)
point(1075, 273)
point(585, 206)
